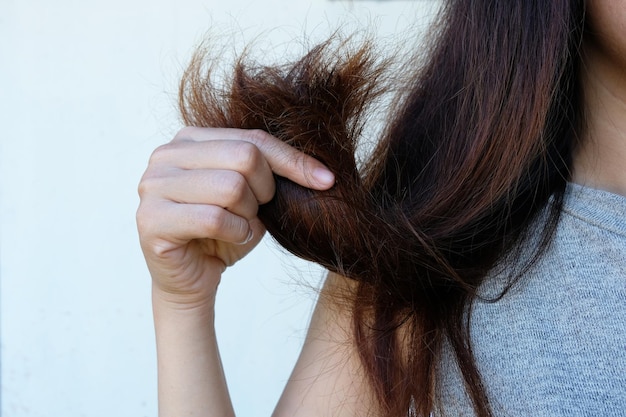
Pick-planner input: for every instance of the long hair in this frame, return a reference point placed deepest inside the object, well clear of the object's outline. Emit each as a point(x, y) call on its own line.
point(479, 144)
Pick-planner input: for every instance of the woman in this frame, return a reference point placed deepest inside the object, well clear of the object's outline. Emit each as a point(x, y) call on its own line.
point(479, 265)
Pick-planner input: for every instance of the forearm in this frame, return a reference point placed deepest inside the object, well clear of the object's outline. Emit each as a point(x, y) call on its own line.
point(191, 377)
point(199, 199)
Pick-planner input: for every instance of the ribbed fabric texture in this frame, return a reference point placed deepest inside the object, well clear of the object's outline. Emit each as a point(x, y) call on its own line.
point(555, 345)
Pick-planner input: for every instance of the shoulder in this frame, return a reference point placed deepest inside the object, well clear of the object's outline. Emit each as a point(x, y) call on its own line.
point(555, 341)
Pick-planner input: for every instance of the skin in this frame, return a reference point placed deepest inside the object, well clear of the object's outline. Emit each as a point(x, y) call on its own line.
point(199, 199)
point(600, 160)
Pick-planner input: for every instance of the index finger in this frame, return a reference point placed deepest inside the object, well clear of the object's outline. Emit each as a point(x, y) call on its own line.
point(283, 159)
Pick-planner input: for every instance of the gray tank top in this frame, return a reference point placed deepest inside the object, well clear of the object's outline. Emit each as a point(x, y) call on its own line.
point(555, 345)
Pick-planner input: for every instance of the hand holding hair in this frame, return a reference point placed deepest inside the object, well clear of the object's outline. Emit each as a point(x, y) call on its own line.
point(199, 200)
point(198, 214)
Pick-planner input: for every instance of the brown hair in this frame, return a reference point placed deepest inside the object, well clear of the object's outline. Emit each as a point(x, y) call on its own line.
point(480, 142)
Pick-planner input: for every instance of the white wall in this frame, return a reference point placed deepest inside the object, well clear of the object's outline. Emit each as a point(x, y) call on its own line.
point(87, 90)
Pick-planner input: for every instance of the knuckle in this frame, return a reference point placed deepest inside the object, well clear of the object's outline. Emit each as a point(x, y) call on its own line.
point(168, 151)
point(247, 157)
point(294, 162)
point(143, 220)
point(144, 187)
point(215, 221)
point(186, 133)
point(160, 154)
point(140, 220)
point(148, 184)
point(236, 186)
point(258, 136)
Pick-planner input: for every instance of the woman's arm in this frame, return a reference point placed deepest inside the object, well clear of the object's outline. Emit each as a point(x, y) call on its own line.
point(328, 379)
point(191, 378)
point(199, 200)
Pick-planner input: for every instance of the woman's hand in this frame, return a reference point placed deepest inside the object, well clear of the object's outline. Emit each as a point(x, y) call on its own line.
point(199, 201)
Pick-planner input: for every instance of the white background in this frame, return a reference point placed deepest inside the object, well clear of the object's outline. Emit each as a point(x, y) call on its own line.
point(87, 90)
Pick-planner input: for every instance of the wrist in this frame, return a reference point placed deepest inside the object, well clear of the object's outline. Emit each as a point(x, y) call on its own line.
point(183, 303)
point(191, 378)
point(187, 290)
point(185, 324)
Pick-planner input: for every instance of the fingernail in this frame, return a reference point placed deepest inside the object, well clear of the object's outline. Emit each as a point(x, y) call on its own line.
point(248, 238)
point(323, 176)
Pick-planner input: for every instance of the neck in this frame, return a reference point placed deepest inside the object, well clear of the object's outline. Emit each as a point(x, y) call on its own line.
point(600, 160)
